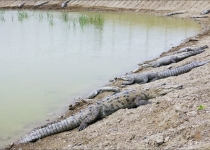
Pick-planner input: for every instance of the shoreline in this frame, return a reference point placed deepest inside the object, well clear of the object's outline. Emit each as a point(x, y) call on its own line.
point(80, 141)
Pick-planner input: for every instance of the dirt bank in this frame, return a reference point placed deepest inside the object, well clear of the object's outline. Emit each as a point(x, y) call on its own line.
point(173, 119)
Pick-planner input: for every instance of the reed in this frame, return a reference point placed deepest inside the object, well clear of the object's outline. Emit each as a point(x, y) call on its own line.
point(96, 20)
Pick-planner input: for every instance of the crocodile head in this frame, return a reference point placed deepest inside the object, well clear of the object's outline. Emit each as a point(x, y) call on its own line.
point(166, 88)
point(127, 77)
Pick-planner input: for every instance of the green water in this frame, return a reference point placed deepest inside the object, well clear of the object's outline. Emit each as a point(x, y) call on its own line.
point(49, 58)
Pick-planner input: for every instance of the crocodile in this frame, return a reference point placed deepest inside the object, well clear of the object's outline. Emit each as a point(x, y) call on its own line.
point(126, 99)
point(174, 13)
point(187, 49)
point(184, 53)
point(21, 4)
point(40, 4)
point(205, 12)
point(64, 4)
point(142, 78)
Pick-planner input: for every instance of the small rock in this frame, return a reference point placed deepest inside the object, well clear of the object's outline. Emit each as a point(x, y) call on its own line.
point(5, 138)
point(159, 140)
point(50, 114)
point(122, 86)
point(166, 139)
point(169, 67)
point(111, 80)
point(192, 113)
point(9, 146)
point(47, 120)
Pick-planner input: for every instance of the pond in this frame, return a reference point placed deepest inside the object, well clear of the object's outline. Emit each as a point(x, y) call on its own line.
point(49, 58)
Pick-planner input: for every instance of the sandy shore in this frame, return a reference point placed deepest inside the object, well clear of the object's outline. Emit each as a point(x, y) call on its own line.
point(173, 118)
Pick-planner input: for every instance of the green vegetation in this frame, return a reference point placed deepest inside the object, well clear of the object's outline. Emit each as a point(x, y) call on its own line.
point(50, 19)
point(40, 17)
point(22, 15)
point(2, 18)
point(64, 17)
point(201, 107)
point(2, 10)
point(97, 20)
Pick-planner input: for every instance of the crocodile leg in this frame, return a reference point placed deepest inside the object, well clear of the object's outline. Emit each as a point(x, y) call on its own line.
point(129, 82)
point(92, 117)
point(139, 101)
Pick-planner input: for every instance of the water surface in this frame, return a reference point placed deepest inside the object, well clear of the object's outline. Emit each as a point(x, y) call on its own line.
point(49, 58)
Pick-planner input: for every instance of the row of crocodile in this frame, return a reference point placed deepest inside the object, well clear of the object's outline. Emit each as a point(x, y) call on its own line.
point(125, 99)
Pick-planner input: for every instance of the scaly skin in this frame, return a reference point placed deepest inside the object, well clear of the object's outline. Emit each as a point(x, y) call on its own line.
point(180, 70)
point(176, 57)
point(187, 49)
point(152, 76)
point(101, 109)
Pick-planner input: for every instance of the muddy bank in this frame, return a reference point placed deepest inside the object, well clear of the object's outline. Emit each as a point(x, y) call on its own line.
point(174, 118)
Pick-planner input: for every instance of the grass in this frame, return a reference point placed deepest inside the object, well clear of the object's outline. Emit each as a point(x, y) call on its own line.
point(2, 10)
point(64, 17)
point(40, 16)
point(96, 20)
point(2, 18)
point(22, 15)
point(201, 107)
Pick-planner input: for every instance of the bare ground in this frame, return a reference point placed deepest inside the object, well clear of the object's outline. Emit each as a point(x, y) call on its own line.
point(172, 121)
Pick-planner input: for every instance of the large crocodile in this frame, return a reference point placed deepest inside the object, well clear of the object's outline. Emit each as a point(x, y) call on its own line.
point(152, 76)
point(101, 109)
point(184, 53)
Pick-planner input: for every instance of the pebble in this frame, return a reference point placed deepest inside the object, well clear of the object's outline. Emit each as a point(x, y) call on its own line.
point(169, 67)
point(192, 113)
point(166, 139)
point(159, 140)
point(9, 146)
point(50, 114)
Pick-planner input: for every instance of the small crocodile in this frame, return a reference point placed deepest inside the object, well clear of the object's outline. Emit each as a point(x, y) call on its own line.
point(184, 53)
point(41, 3)
point(152, 76)
point(126, 99)
point(187, 49)
point(21, 4)
point(174, 13)
point(64, 4)
point(205, 12)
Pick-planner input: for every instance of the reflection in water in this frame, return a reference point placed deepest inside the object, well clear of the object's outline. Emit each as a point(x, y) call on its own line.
point(97, 20)
point(49, 58)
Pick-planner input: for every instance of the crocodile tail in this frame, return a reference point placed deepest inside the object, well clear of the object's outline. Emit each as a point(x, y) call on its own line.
point(203, 63)
point(50, 129)
point(177, 71)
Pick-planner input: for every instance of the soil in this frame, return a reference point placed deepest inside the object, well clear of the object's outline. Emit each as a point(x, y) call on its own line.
point(178, 120)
